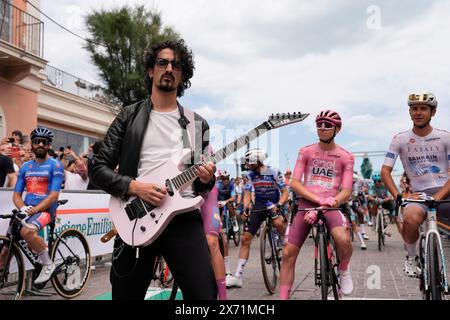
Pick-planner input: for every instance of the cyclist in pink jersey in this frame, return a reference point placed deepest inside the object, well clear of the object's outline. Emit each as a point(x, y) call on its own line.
point(324, 167)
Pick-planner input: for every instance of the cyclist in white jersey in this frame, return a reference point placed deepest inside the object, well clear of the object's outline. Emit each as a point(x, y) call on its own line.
point(425, 155)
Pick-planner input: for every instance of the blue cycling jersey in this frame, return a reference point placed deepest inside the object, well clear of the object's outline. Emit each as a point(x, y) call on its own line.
point(39, 180)
point(266, 186)
point(225, 191)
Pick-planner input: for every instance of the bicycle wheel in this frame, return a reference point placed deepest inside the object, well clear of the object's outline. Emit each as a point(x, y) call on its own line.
point(333, 264)
point(323, 261)
point(268, 260)
point(434, 269)
point(12, 275)
point(380, 230)
point(72, 258)
point(237, 234)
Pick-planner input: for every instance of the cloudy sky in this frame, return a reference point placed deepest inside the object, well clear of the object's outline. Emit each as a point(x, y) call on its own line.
point(257, 57)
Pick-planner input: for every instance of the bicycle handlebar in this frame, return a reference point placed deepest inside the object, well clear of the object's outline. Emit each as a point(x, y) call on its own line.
point(15, 213)
point(429, 202)
point(18, 214)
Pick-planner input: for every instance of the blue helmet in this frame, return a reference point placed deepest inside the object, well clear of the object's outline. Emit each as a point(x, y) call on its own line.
point(376, 176)
point(42, 133)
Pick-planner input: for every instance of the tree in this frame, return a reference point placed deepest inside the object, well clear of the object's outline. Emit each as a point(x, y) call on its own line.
point(366, 167)
point(116, 45)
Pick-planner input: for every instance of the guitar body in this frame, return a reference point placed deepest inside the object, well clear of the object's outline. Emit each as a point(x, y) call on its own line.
point(144, 230)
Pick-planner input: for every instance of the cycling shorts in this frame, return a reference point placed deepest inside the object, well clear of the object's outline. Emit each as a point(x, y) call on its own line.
point(256, 218)
point(299, 229)
point(41, 219)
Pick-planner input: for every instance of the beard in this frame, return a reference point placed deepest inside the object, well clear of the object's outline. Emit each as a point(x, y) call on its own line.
point(40, 153)
point(166, 85)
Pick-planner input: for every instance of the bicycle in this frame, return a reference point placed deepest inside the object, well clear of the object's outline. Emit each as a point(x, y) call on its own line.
point(232, 226)
point(271, 247)
point(69, 250)
point(325, 259)
point(164, 279)
point(433, 276)
point(380, 225)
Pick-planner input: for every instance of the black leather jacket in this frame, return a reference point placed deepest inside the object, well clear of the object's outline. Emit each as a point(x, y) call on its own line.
point(122, 146)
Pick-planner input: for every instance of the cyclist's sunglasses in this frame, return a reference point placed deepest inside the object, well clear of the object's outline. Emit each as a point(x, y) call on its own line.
point(324, 125)
point(44, 141)
point(378, 180)
point(418, 97)
point(163, 63)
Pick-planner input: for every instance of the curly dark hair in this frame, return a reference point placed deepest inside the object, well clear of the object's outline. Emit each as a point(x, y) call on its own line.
point(186, 58)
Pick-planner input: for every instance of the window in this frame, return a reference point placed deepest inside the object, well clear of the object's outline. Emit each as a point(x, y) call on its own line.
point(64, 139)
point(5, 12)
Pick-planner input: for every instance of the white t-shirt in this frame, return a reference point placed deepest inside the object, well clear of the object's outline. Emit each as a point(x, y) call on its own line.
point(426, 160)
point(74, 181)
point(162, 142)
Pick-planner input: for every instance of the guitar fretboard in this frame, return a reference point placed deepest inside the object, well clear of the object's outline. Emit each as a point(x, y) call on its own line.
point(191, 173)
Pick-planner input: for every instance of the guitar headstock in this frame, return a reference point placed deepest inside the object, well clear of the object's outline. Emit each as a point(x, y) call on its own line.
point(283, 119)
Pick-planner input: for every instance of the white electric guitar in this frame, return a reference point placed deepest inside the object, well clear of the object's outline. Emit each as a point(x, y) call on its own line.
point(139, 223)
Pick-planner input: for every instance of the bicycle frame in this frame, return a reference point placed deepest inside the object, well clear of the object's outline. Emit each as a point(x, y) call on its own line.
point(430, 227)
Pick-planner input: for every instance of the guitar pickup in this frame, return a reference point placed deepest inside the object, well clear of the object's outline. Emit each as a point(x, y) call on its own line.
point(138, 208)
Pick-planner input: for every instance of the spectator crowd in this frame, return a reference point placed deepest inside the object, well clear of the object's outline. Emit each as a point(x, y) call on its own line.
point(15, 150)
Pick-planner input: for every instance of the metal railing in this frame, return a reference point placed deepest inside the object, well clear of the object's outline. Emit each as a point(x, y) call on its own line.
point(69, 83)
point(21, 29)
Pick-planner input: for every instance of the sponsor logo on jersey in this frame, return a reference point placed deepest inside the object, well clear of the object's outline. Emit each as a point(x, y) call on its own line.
point(390, 155)
point(324, 164)
point(424, 149)
point(412, 140)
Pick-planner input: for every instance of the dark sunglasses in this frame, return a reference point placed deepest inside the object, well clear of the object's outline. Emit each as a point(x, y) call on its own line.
point(324, 125)
point(376, 181)
point(37, 141)
point(163, 63)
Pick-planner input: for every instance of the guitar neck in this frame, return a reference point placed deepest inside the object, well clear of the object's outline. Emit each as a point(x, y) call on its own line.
point(190, 174)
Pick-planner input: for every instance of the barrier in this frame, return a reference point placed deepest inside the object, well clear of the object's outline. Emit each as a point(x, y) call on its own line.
point(86, 211)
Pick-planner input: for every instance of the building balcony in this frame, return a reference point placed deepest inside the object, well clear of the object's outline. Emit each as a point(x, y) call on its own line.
point(21, 44)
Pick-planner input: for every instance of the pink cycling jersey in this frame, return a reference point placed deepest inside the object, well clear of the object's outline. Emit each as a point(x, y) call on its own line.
point(324, 171)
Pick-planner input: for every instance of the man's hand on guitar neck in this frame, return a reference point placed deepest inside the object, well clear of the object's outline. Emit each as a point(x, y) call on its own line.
point(206, 171)
point(149, 192)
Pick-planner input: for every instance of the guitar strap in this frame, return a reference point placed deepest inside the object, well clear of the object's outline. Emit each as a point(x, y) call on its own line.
point(191, 133)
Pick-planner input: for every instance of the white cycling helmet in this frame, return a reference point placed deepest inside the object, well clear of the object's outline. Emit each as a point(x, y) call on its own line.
point(225, 174)
point(426, 98)
point(252, 156)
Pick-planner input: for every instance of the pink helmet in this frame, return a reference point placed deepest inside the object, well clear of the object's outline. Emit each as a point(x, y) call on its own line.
point(330, 116)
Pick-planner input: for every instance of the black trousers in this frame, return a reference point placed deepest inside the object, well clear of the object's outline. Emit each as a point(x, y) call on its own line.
point(183, 245)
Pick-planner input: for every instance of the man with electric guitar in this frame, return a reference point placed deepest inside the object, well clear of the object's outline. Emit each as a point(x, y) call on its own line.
point(142, 140)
